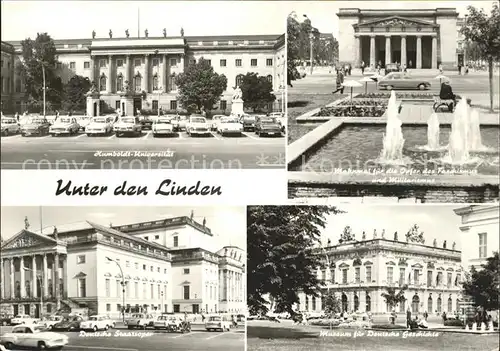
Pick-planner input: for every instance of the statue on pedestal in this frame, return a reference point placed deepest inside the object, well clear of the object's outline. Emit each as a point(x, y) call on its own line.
point(127, 33)
point(93, 34)
point(434, 243)
point(26, 223)
point(395, 236)
point(182, 32)
point(110, 34)
point(453, 246)
point(164, 32)
point(204, 221)
point(383, 233)
point(192, 215)
point(363, 237)
point(237, 94)
point(374, 233)
point(146, 33)
point(444, 244)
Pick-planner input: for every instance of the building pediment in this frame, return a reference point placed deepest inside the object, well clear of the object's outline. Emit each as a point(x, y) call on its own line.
point(27, 239)
point(417, 265)
point(80, 275)
point(396, 21)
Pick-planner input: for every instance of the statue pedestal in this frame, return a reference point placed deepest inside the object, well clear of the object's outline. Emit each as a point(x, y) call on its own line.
point(93, 105)
point(127, 105)
point(237, 107)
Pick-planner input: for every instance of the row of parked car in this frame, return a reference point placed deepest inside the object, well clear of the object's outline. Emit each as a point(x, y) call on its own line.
point(159, 125)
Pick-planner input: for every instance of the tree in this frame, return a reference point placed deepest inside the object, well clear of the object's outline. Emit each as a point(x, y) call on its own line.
point(281, 260)
point(484, 31)
point(332, 303)
point(393, 299)
point(75, 93)
point(414, 235)
point(256, 91)
point(37, 53)
point(200, 86)
point(293, 31)
point(483, 286)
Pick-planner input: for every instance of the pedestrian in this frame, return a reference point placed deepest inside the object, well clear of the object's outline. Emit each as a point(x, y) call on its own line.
point(408, 318)
point(459, 69)
point(404, 67)
point(340, 80)
point(202, 317)
point(440, 68)
point(350, 68)
point(467, 69)
point(17, 116)
point(409, 64)
point(235, 322)
point(426, 315)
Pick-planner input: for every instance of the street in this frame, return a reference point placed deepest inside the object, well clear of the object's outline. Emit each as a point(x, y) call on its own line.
point(146, 152)
point(150, 340)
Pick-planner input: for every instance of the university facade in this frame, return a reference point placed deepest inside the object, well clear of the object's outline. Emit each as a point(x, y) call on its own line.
point(166, 265)
point(416, 38)
point(360, 271)
point(148, 67)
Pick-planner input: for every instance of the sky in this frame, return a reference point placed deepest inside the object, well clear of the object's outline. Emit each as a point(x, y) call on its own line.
point(436, 221)
point(77, 19)
point(323, 13)
point(227, 223)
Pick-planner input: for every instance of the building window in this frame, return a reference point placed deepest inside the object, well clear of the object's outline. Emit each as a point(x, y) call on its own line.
point(238, 62)
point(186, 271)
point(457, 280)
point(155, 82)
point(357, 274)
point(136, 265)
point(102, 83)
point(429, 304)
point(108, 287)
point(151, 269)
point(137, 62)
point(164, 271)
point(136, 289)
point(117, 104)
point(448, 280)
point(102, 63)
point(80, 259)
point(173, 62)
point(483, 245)
point(344, 276)
point(108, 307)
point(144, 290)
point(152, 291)
point(176, 238)
point(119, 63)
point(119, 83)
point(118, 289)
point(177, 308)
point(253, 62)
point(323, 275)
point(401, 276)
point(223, 63)
point(239, 80)
point(137, 83)
point(82, 288)
point(368, 274)
point(269, 62)
point(450, 305)
point(72, 65)
point(157, 237)
point(171, 82)
point(118, 307)
point(86, 65)
point(439, 304)
point(158, 269)
point(416, 277)
point(390, 273)
point(186, 292)
point(439, 279)
point(429, 278)
point(143, 267)
point(209, 62)
point(155, 104)
point(156, 62)
point(270, 78)
point(223, 104)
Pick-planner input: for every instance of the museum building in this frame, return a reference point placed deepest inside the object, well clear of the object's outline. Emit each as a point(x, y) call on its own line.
point(358, 272)
point(147, 67)
point(165, 265)
point(419, 39)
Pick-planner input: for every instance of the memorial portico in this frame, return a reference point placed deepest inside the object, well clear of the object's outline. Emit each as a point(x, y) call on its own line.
point(34, 273)
point(415, 38)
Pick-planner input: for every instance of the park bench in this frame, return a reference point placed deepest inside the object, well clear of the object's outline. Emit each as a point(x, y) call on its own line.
point(443, 104)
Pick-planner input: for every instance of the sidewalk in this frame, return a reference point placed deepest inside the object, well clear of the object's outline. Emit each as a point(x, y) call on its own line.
point(413, 71)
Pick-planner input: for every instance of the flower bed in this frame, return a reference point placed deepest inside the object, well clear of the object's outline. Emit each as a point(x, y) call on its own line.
point(453, 323)
point(325, 322)
point(416, 96)
point(363, 102)
point(351, 111)
point(388, 326)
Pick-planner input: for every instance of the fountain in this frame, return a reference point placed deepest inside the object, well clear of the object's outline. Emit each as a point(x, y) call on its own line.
point(392, 152)
point(432, 135)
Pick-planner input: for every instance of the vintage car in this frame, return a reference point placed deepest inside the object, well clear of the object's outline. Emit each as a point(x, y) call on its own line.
point(267, 126)
point(229, 125)
point(179, 122)
point(5, 319)
point(97, 322)
point(163, 126)
point(248, 122)
point(68, 323)
point(128, 126)
point(219, 322)
point(10, 126)
point(146, 122)
point(23, 319)
point(51, 321)
point(35, 126)
point(64, 125)
point(400, 80)
point(32, 337)
point(216, 120)
point(100, 126)
point(391, 67)
point(168, 322)
point(140, 320)
point(83, 121)
point(197, 125)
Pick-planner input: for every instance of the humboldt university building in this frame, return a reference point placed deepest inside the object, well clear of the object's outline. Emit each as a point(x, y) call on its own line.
point(169, 265)
point(358, 272)
point(420, 39)
point(148, 67)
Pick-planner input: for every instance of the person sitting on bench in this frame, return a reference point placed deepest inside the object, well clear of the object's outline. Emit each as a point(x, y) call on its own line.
point(446, 93)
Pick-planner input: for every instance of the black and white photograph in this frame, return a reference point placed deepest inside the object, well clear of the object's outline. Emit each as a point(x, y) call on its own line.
point(143, 85)
point(366, 277)
point(393, 101)
point(123, 278)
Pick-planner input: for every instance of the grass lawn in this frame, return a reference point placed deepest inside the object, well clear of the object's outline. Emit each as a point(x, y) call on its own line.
point(294, 338)
point(298, 104)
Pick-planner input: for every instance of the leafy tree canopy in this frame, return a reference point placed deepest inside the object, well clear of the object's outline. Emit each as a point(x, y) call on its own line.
point(75, 93)
point(200, 86)
point(256, 91)
point(394, 298)
point(281, 241)
point(333, 304)
point(483, 286)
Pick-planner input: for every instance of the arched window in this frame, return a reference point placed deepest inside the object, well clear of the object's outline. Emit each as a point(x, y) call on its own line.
point(102, 83)
point(138, 83)
point(402, 306)
point(344, 302)
point(429, 304)
point(439, 303)
point(457, 307)
point(356, 303)
point(119, 82)
point(155, 82)
point(270, 79)
point(368, 303)
point(171, 82)
point(239, 80)
point(414, 304)
point(450, 304)
point(314, 303)
point(27, 286)
point(307, 303)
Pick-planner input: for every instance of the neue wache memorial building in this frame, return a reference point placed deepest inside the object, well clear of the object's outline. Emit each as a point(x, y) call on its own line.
point(418, 38)
point(358, 272)
point(170, 265)
point(148, 66)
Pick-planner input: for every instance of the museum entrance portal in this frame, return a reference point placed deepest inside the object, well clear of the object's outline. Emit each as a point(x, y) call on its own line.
point(137, 105)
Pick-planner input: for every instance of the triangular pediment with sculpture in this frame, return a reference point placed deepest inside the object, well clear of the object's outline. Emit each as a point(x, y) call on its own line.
point(396, 21)
point(27, 239)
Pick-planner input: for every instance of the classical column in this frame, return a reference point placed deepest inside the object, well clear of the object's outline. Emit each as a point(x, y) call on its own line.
point(356, 52)
point(146, 74)
point(372, 50)
point(127, 71)
point(92, 69)
point(12, 284)
point(109, 85)
point(2, 279)
point(45, 275)
point(403, 50)
point(164, 75)
point(350, 301)
point(387, 50)
point(56, 281)
point(34, 278)
point(434, 52)
point(419, 52)
point(22, 282)
point(362, 300)
point(65, 275)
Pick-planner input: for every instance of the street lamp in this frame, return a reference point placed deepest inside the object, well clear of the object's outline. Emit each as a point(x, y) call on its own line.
point(327, 286)
point(159, 89)
point(40, 279)
point(123, 286)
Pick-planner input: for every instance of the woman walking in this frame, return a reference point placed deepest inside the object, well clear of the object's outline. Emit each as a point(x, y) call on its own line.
point(339, 81)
